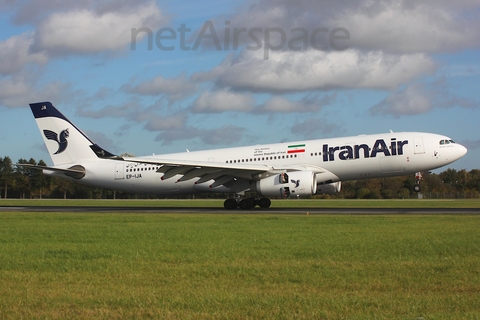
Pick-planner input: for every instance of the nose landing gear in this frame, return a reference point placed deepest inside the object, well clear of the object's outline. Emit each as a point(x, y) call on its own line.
point(418, 177)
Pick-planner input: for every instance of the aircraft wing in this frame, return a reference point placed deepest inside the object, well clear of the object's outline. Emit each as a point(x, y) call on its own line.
point(202, 169)
point(222, 173)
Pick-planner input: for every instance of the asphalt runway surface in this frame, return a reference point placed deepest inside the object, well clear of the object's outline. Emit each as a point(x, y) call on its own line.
point(221, 210)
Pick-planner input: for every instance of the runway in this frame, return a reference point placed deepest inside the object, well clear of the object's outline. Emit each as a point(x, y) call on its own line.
point(218, 210)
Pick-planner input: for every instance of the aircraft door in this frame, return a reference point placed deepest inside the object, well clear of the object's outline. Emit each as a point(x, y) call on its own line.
point(418, 147)
point(119, 172)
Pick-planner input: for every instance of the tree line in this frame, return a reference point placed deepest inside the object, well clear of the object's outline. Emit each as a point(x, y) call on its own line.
point(27, 183)
point(449, 184)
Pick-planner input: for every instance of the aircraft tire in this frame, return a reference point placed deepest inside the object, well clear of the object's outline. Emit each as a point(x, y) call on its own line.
point(246, 204)
point(417, 188)
point(230, 204)
point(264, 203)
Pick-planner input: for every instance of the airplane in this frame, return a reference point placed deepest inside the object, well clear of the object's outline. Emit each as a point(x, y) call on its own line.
point(293, 169)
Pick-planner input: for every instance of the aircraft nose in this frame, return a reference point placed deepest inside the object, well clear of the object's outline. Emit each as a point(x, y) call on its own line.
point(461, 151)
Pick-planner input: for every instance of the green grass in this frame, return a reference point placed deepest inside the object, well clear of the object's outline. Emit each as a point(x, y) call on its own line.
point(283, 203)
point(178, 266)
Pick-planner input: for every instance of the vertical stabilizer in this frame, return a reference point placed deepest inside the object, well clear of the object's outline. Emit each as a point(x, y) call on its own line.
point(66, 143)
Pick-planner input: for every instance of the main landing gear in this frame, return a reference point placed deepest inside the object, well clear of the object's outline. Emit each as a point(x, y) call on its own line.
point(247, 203)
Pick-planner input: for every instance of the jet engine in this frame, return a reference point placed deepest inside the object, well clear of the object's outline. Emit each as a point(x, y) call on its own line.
point(285, 184)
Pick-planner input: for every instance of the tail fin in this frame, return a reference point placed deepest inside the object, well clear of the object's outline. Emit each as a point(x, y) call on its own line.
point(66, 143)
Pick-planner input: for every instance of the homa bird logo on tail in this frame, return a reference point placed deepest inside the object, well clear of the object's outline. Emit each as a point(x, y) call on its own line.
point(62, 142)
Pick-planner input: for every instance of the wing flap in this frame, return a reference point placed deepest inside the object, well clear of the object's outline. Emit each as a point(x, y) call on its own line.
point(213, 176)
point(198, 172)
point(173, 171)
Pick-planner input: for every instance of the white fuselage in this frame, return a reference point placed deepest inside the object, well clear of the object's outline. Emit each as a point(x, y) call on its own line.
point(339, 159)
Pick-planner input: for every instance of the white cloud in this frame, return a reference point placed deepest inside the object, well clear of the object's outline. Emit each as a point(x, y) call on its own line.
point(224, 100)
point(412, 100)
point(317, 70)
point(35, 12)
point(406, 27)
point(471, 144)
point(85, 31)
point(128, 110)
point(20, 90)
point(311, 128)
point(15, 54)
point(133, 111)
point(280, 104)
point(396, 27)
point(225, 135)
point(419, 98)
point(309, 103)
point(174, 88)
point(13, 87)
point(161, 123)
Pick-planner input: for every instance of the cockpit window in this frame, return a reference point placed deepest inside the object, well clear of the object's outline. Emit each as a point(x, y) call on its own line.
point(442, 142)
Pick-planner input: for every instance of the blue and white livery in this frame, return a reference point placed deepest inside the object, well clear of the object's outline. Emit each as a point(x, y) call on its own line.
point(275, 170)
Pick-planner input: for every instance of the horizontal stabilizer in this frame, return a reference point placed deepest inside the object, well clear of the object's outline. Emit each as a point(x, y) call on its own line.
point(76, 172)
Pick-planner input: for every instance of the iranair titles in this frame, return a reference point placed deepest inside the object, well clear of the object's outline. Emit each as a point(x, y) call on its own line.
point(347, 152)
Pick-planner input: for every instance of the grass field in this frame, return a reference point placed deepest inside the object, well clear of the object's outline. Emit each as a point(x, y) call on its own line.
point(179, 266)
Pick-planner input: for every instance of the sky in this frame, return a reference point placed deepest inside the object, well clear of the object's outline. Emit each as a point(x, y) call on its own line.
point(144, 77)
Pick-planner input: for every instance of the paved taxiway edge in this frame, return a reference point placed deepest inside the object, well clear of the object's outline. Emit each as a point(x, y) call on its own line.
point(216, 210)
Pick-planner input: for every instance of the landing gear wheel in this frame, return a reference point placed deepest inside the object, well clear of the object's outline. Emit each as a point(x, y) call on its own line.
point(246, 204)
point(230, 204)
point(264, 203)
point(417, 188)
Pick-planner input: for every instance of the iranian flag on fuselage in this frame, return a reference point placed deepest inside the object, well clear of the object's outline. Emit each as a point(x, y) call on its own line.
point(296, 148)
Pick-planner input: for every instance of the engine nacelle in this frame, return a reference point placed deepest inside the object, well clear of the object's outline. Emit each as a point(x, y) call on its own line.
point(329, 188)
point(295, 183)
